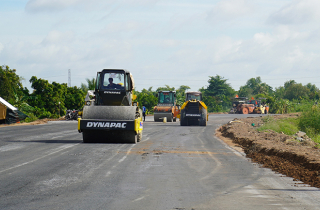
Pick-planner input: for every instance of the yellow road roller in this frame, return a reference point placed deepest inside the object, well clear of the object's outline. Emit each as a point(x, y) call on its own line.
point(193, 111)
point(112, 117)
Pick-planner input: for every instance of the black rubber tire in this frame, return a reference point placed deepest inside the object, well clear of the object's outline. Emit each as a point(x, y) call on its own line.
point(203, 120)
point(157, 120)
point(183, 120)
point(132, 137)
point(139, 136)
point(86, 137)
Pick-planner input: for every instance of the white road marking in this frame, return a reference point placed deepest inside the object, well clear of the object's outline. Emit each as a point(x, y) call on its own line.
point(123, 158)
point(56, 137)
point(59, 149)
point(138, 199)
point(11, 147)
point(108, 173)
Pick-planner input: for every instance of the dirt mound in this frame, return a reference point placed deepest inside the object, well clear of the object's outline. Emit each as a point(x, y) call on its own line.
point(280, 152)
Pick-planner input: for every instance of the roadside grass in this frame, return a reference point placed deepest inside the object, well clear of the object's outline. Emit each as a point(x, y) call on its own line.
point(309, 122)
point(288, 126)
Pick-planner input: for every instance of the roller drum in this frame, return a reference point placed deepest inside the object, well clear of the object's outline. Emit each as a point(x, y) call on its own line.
point(159, 116)
point(109, 112)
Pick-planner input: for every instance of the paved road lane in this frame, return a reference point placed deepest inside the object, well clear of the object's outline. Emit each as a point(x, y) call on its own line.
point(174, 167)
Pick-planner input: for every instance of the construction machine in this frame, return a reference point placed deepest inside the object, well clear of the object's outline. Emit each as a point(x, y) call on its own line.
point(112, 115)
point(166, 107)
point(236, 103)
point(193, 111)
point(253, 106)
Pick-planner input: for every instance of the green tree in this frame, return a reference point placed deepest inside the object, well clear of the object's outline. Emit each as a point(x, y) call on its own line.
point(297, 91)
point(147, 98)
point(166, 88)
point(43, 94)
point(279, 92)
point(293, 90)
point(253, 87)
point(180, 94)
point(74, 98)
point(217, 95)
point(52, 100)
point(91, 84)
point(46, 97)
point(10, 84)
point(314, 92)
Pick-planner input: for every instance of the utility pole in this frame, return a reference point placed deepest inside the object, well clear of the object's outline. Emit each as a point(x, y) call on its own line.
point(69, 78)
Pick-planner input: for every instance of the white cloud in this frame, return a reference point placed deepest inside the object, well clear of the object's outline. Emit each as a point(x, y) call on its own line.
point(116, 27)
point(141, 2)
point(57, 37)
point(227, 10)
point(297, 12)
point(264, 39)
point(49, 5)
point(60, 5)
point(1, 47)
point(154, 39)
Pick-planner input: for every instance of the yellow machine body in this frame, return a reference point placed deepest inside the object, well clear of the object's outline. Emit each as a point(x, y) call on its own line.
point(193, 111)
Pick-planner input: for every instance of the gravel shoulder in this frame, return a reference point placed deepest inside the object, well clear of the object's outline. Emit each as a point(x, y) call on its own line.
point(279, 152)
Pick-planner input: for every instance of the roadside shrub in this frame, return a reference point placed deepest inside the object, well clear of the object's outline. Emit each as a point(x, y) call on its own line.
point(280, 106)
point(41, 113)
point(288, 126)
point(302, 105)
point(309, 121)
point(31, 117)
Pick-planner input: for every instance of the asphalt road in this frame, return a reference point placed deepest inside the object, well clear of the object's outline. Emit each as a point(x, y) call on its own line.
point(173, 167)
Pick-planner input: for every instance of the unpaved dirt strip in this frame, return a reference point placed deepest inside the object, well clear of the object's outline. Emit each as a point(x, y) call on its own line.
point(276, 151)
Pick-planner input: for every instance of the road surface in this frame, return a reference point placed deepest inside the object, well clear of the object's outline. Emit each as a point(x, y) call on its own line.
point(173, 167)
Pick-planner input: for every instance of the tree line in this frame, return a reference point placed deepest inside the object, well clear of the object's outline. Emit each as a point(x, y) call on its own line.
point(47, 100)
point(51, 100)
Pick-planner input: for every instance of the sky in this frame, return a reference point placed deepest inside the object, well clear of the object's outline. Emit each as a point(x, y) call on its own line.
point(163, 42)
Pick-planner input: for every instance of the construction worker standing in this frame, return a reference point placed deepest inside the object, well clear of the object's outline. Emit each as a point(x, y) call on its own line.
point(144, 109)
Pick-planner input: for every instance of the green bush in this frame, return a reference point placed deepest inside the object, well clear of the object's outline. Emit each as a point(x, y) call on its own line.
point(309, 121)
point(41, 113)
point(31, 117)
point(301, 106)
point(288, 126)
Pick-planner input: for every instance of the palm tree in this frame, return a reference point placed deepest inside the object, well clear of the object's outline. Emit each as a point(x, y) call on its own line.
point(91, 84)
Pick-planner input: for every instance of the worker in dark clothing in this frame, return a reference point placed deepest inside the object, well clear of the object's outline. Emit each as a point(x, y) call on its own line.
point(144, 110)
point(111, 84)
